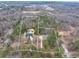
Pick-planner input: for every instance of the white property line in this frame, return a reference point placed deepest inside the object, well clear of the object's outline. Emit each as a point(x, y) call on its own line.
point(46, 28)
point(37, 40)
point(33, 51)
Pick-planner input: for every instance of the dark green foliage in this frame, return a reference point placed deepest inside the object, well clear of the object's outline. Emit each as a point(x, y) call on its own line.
point(44, 21)
point(41, 55)
point(16, 32)
point(46, 45)
point(4, 51)
point(49, 44)
point(17, 29)
point(41, 30)
point(51, 40)
point(59, 52)
point(47, 21)
point(76, 45)
point(35, 54)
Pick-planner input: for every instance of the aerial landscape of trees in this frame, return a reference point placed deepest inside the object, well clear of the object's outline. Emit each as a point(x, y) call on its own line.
point(48, 20)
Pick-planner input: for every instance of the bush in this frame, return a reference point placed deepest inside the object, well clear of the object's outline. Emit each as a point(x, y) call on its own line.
point(16, 30)
point(4, 51)
point(51, 40)
point(76, 43)
point(58, 52)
